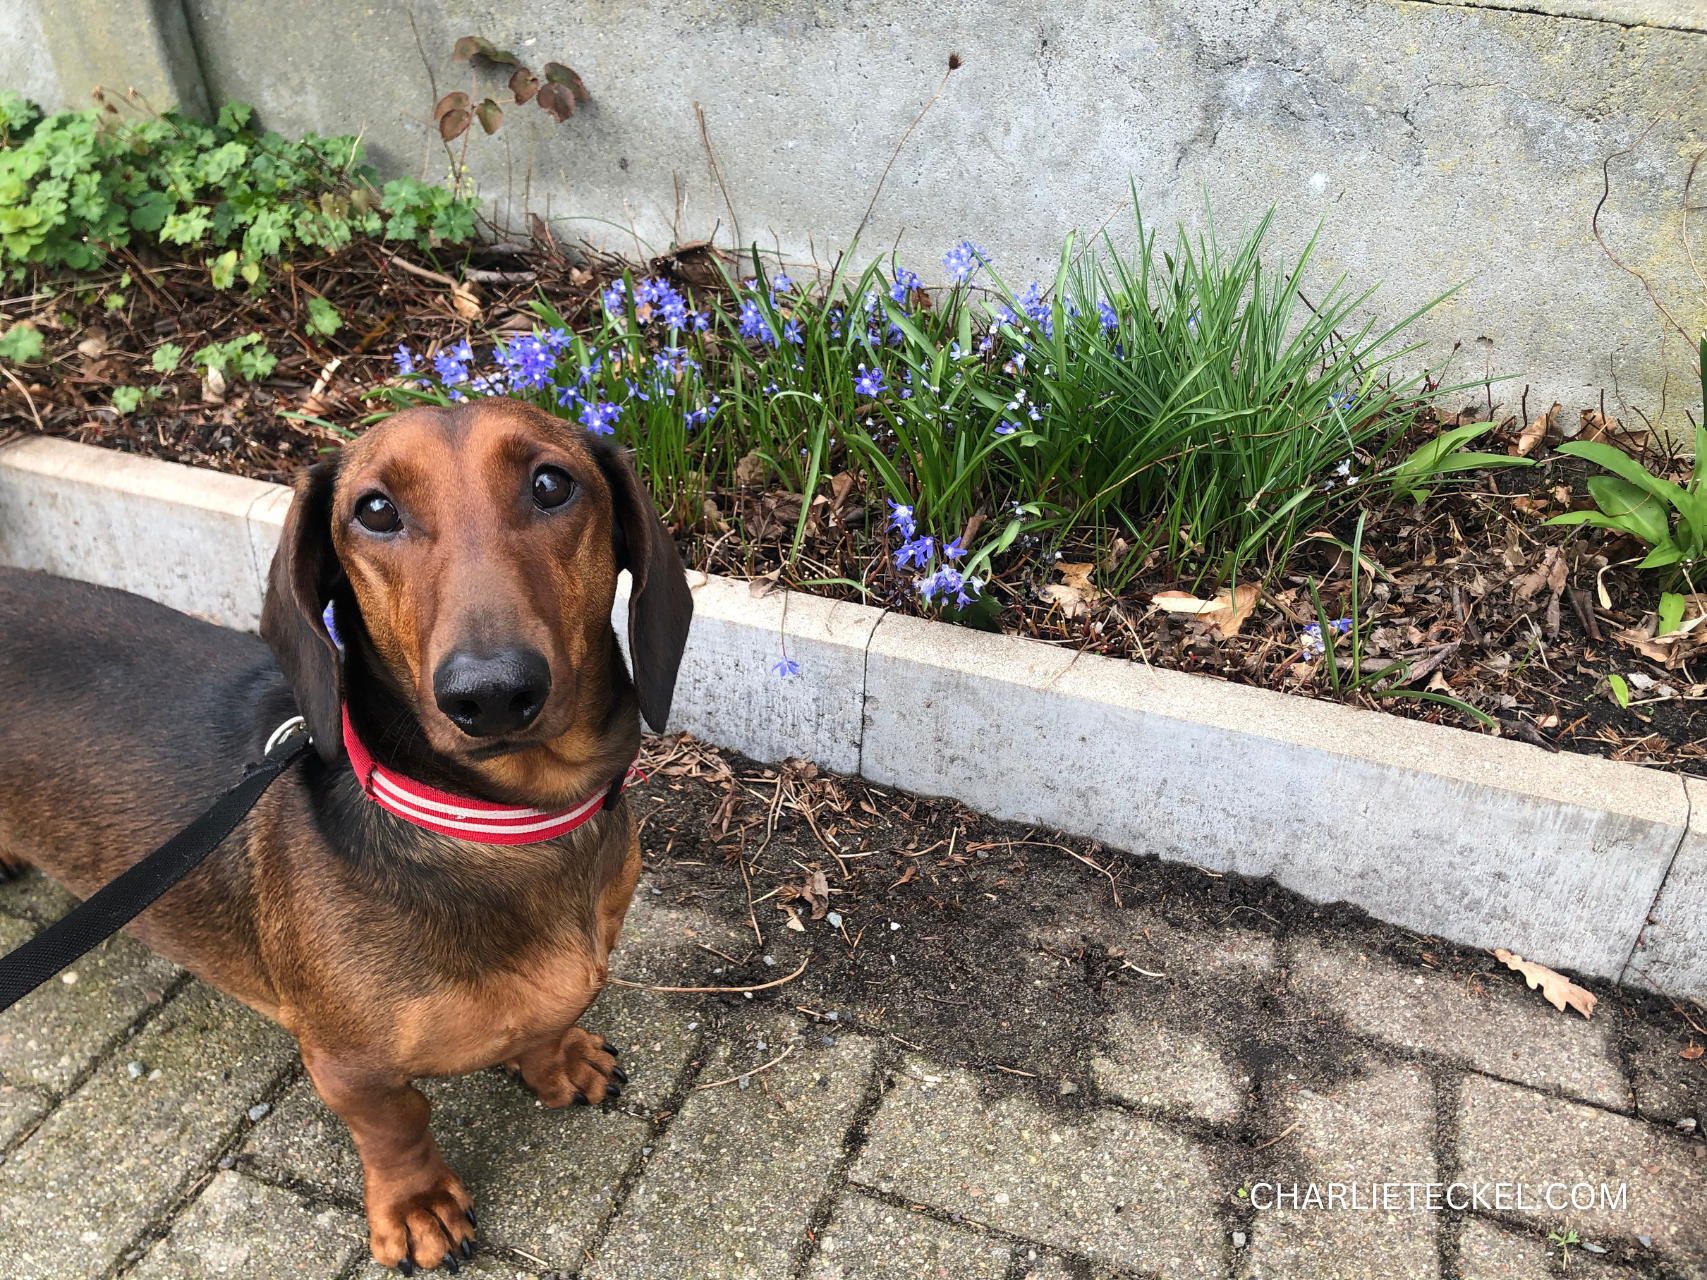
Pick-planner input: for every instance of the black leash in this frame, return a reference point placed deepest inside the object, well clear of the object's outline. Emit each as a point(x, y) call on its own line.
point(111, 908)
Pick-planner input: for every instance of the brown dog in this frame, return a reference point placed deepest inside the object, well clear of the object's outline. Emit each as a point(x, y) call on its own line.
point(470, 558)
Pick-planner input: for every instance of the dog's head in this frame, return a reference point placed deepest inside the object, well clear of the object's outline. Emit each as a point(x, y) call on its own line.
point(477, 548)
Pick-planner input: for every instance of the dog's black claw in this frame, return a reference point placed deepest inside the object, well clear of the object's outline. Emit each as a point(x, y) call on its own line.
point(612, 1093)
point(450, 1264)
point(619, 1074)
point(612, 1050)
point(406, 1267)
point(469, 1214)
point(580, 1098)
point(468, 1249)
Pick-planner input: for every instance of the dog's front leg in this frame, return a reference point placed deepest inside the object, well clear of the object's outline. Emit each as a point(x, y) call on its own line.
point(418, 1212)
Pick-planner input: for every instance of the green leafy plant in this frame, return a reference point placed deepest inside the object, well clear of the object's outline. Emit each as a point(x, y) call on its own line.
point(1619, 687)
point(323, 317)
point(556, 95)
point(1563, 1240)
point(166, 357)
point(247, 357)
point(1670, 518)
point(22, 343)
point(1441, 456)
point(76, 185)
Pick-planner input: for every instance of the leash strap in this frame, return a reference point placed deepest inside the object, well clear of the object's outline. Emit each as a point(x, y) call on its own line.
point(111, 908)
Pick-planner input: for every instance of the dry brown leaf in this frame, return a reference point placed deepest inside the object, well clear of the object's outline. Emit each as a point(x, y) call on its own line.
point(761, 586)
point(1692, 1053)
point(1073, 602)
point(1547, 425)
point(1558, 989)
point(1185, 602)
point(816, 891)
point(752, 472)
point(1079, 576)
point(1438, 685)
point(465, 301)
point(1235, 607)
point(793, 918)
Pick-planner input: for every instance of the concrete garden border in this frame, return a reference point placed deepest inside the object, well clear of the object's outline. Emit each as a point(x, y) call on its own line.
point(1572, 860)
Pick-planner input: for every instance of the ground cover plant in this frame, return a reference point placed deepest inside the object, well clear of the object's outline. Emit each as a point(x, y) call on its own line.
point(1164, 452)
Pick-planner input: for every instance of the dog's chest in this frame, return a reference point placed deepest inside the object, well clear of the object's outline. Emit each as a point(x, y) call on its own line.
point(460, 1029)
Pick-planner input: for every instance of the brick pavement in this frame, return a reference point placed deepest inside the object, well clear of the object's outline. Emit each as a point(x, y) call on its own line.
point(155, 1129)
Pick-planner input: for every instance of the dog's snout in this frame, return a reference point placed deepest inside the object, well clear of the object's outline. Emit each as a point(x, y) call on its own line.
point(489, 695)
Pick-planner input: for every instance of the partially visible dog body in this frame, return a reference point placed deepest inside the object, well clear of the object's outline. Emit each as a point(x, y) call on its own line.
point(469, 557)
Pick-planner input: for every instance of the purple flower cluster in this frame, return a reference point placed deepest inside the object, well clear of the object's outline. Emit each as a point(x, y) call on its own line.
point(869, 383)
point(753, 324)
point(963, 260)
point(654, 300)
point(1311, 640)
point(902, 289)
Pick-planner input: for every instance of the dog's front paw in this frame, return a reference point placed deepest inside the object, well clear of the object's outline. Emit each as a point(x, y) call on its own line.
point(579, 1068)
point(420, 1222)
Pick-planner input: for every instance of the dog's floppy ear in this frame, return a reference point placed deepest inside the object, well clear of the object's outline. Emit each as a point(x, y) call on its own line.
point(660, 606)
point(303, 569)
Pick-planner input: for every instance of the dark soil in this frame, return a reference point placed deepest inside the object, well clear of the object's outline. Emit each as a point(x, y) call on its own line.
point(1463, 590)
point(1014, 945)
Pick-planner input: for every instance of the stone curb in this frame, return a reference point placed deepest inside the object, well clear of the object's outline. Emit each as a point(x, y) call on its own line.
point(1572, 860)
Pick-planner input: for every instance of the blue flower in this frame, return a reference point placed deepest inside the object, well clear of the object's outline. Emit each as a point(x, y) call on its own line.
point(946, 582)
point(462, 351)
point(962, 260)
point(701, 322)
point(901, 518)
point(1344, 398)
point(1110, 319)
point(450, 370)
point(917, 552)
point(1007, 428)
point(953, 550)
point(613, 297)
point(405, 359)
point(786, 668)
point(869, 384)
point(600, 419)
point(527, 362)
point(791, 333)
point(1311, 640)
point(780, 283)
point(753, 323)
point(696, 418)
point(905, 283)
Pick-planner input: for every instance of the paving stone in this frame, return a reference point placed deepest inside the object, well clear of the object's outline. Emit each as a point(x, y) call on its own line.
point(20, 1107)
point(1485, 1252)
point(1104, 1184)
point(483, 1267)
point(542, 1180)
point(119, 1150)
point(238, 1226)
point(1377, 1128)
point(731, 1187)
point(51, 1036)
point(1149, 1065)
point(1668, 1086)
point(1510, 1135)
point(1496, 1026)
point(869, 1240)
point(35, 897)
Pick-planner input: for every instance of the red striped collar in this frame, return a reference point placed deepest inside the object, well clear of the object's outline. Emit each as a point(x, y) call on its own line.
point(478, 821)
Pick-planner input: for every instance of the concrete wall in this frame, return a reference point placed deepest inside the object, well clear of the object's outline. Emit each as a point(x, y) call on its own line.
point(1438, 143)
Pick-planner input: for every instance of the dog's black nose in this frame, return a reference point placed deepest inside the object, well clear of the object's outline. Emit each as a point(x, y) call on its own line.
point(490, 695)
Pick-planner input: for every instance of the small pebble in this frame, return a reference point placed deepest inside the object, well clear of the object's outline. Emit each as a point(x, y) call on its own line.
point(645, 1151)
point(1687, 1124)
point(760, 1045)
point(894, 926)
point(136, 1070)
point(155, 1074)
point(744, 1081)
point(1067, 1086)
point(693, 1026)
point(835, 919)
point(69, 977)
point(832, 1015)
point(829, 1042)
point(659, 892)
point(770, 961)
point(1594, 1248)
point(259, 1110)
point(1238, 1239)
point(227, 1162)
point(1647, 1242)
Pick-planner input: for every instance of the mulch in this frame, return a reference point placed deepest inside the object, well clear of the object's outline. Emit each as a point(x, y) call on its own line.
point(1489, 605)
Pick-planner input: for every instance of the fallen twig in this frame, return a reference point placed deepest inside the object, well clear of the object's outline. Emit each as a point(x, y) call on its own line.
point(763, 986)
point(717, 1084)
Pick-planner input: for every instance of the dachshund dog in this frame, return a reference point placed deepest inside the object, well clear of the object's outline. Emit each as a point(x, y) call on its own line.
point(437, 887)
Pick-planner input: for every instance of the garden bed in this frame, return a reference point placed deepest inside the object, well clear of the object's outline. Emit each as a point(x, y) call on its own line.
point(1455, 589)
point(1164, 458)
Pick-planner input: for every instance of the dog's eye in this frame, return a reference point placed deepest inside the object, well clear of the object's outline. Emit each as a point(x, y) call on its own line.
point(377, 513)
point(551, 487)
